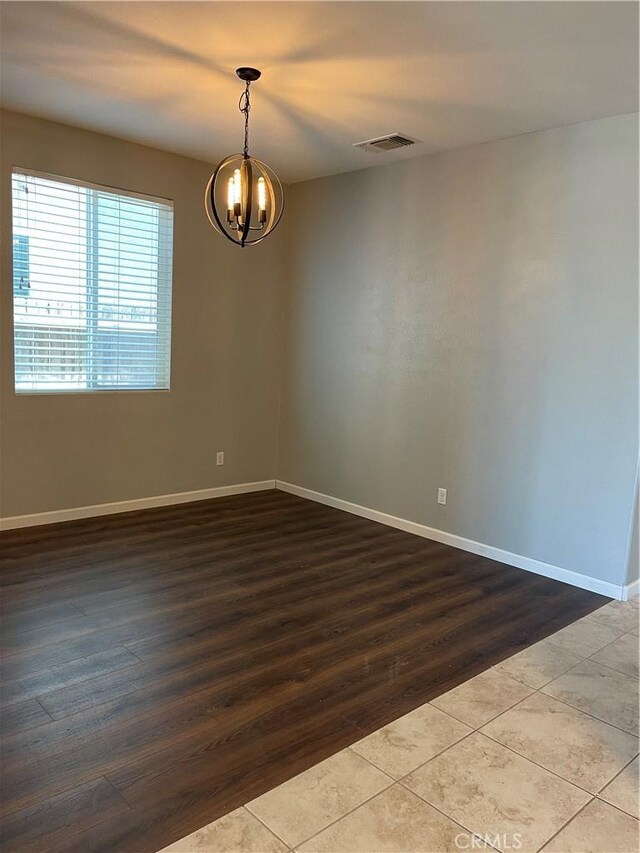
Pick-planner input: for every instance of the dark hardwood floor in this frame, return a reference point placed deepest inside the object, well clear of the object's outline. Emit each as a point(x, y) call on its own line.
point(163, 667)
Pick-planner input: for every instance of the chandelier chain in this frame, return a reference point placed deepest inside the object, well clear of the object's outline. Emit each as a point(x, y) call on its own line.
point(244, 105)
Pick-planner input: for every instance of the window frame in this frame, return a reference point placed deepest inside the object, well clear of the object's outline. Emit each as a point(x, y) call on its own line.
point(168, 245)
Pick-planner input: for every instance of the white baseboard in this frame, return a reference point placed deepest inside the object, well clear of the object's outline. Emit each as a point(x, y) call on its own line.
point(12, 522)
point(631, 590)
point(527, 563)
point(622, 593)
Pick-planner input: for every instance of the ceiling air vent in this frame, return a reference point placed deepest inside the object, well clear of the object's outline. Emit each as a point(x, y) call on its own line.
point(386, 143)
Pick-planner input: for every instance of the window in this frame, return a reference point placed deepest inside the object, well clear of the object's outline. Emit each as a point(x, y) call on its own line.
point(91, 286)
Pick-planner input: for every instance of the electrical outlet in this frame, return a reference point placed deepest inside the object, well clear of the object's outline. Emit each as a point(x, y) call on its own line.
point(442, 497)
point(220, 457)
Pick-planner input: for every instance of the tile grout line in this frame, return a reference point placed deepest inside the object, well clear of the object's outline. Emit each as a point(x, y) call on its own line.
point(596, 615)
point(546, 769)
point(508, 708)
point(606, 645)
point(565, 824)
point(435, 755)
point(622, 769)
point(573, 651)
point(483, 734)
point(593, 716)
point(495, 717)
point(379, 793)
point(439, 810)
point(392, 782)
point(591, 619)
point(567, 705)
point(617, 808)
point(617, 640)
point(573, 707)
point(266, 826)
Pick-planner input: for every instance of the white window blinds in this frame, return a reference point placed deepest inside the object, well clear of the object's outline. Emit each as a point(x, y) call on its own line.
point(91, 286)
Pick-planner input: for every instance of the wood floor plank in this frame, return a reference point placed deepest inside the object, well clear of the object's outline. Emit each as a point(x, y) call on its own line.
point(352, 601)
point(66, 814)
point(59, 677)
point(31, 661)
point(166, 666)
point(107, 740)
point(108, 634)
point(20, 718)
point(27, 617)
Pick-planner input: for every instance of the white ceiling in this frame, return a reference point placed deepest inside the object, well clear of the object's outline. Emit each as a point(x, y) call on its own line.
point(334, 73)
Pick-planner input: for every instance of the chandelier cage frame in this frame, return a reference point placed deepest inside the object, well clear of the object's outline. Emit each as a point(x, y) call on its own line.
point(243, 175)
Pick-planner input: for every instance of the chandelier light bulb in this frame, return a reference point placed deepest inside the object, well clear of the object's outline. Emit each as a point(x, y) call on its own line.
point(231, 196)
point(262, 200)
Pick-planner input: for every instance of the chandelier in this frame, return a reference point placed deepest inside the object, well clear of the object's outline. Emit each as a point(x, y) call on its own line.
point(244, 198)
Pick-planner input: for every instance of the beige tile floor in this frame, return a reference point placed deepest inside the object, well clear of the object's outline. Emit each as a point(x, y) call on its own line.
point(539, 753)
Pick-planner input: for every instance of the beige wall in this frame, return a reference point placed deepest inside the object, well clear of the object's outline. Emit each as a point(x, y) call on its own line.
point(469, 320)
point(66, 450)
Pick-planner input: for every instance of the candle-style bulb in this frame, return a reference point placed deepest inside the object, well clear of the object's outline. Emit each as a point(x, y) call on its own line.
point(237, 193)
point(230, 199)
point(262, 200)
point(262, 194)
